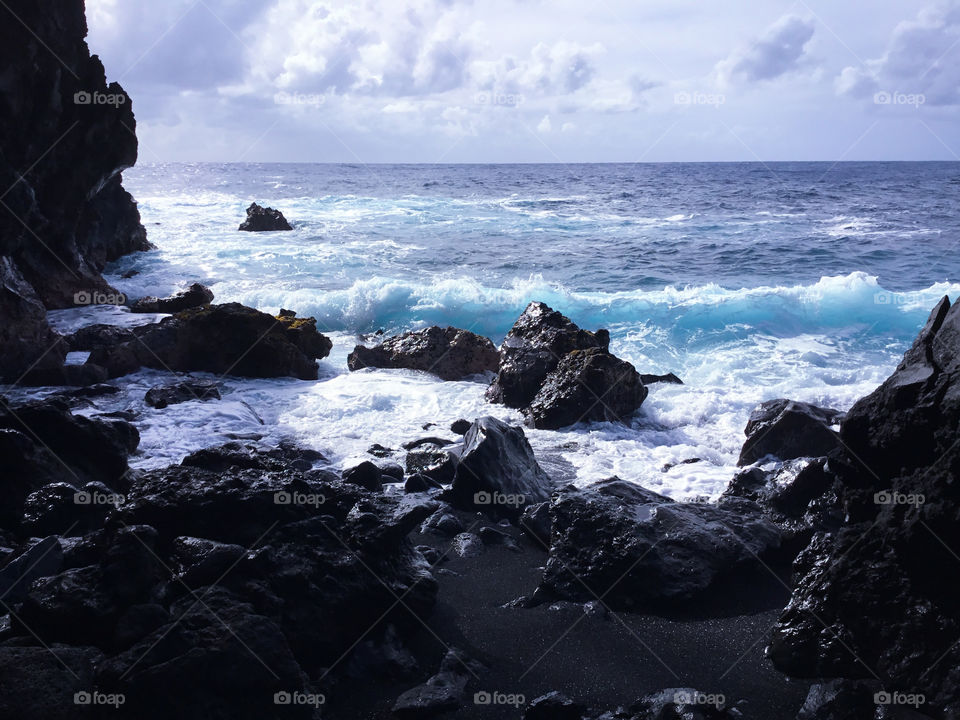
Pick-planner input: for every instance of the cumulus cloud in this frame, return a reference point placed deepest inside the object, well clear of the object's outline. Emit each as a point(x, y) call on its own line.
point(780, 50)
point(921, 59)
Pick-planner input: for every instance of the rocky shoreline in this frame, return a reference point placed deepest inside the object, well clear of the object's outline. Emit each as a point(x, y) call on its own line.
point(452, 576)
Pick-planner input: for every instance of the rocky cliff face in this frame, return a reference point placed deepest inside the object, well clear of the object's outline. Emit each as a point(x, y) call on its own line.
point(65, 137)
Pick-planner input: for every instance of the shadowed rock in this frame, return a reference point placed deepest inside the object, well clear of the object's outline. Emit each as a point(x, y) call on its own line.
point(448, 353)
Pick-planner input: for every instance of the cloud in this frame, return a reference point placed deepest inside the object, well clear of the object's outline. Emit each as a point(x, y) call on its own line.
point(560, 68)
point(921, 59)
point(780, 50)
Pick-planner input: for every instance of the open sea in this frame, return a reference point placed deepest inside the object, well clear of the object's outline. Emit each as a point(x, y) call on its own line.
point(750, 281)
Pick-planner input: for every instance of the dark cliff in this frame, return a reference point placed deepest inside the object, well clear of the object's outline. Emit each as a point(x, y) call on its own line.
point(65, 138)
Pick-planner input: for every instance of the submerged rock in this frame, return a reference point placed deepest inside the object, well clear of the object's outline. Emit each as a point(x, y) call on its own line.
point(223, 339)
point(448, 353)
point(498, 472)
point(787, 429)
point(264, 219)
point(196, 295)
point(587, 385)
point(532, 350)
point(163, 396)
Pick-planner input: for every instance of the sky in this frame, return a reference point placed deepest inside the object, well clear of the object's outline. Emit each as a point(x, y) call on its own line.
point(451, 81)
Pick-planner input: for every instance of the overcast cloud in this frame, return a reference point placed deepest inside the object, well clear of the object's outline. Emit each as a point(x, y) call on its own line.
point(535, 80)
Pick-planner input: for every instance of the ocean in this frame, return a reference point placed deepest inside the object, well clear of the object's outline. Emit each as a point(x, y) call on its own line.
point(750, 281)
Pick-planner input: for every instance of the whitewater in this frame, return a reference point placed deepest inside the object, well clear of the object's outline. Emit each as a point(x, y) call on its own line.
point(749, 282)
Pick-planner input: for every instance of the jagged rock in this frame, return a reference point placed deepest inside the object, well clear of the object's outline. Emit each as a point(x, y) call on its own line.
point(838, 700)
point(498, 472)
point(443, 522)
point(196, 295)
point(640, 550)
point(787, 429)
point(467, 545)
point(43, 442)
point(800, 496)
point(448, 353)
point(60, 162)
point(533, 348)
point(264, 219)
point(669, 379)
point(222, 339)
point(163, 396)
point(587, 385)
point(872, 595)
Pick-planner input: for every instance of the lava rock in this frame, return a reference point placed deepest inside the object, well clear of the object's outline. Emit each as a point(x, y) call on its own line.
point(787, 429)
point(264, 219)
point(532, 350)
point(877, 583)
point(98, 336)
point(366, 475)
point(163, 396)
point(196, 295)
point(41, 559)
point(554, 706)
point(640, 550)
point(435, 460)
point(498, 472)
point(669, 379)
point(418, 483)
point(460, 427)
point(587, 385)
point(537, 523)
point(449, 353)
point(48, 682)
point(221, 339)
